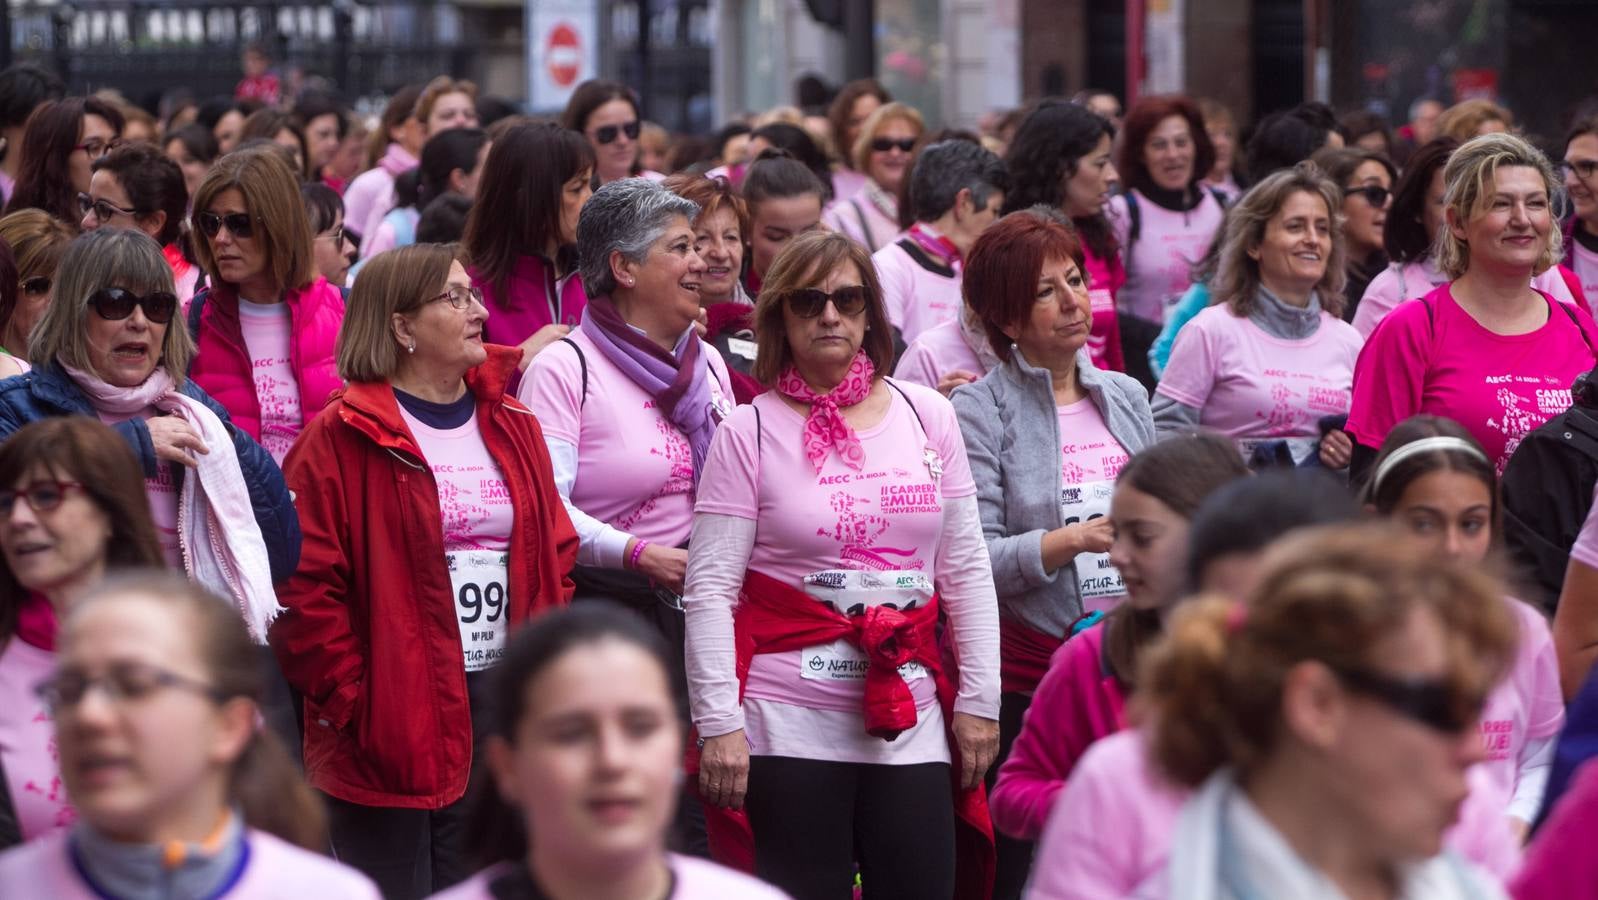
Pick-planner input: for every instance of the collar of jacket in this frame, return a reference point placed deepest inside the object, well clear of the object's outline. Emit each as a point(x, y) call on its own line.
point(370, 407)
point(1026, 376)
point(52, 385)
point(1280, 320)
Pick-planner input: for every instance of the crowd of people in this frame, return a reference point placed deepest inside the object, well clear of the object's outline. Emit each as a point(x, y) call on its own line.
point(1100, 505)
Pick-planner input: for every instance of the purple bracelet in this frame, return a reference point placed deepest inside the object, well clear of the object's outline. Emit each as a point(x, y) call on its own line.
point(638, 550)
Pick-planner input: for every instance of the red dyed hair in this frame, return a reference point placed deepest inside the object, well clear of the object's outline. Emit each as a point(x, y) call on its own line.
point(1141, 120)
point(1000, 282)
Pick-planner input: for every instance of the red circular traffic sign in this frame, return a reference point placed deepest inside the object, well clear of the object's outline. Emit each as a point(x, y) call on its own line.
point(563, 55)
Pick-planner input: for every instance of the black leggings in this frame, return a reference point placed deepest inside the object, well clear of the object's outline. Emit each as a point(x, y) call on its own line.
point(813, 821)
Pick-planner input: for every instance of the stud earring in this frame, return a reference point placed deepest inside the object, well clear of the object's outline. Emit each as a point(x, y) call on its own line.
point(412, 347)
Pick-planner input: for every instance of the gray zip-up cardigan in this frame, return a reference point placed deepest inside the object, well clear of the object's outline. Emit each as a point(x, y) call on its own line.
point(1012, 438)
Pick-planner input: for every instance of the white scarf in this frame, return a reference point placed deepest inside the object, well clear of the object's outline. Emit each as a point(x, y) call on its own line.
point(222, 545)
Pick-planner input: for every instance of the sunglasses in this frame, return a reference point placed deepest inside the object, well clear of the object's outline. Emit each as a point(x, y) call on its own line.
point(883, 145)
point(606, 134)
point(104, 210)
point(240, 225)
point(38, 285)
point(116, 304)
point(41, 496)
point(1431, 702)
point(1584, 168)
point(1375, 195)
point(807, 303)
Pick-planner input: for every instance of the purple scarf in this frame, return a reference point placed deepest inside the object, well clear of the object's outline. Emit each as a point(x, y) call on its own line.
point(677, 380)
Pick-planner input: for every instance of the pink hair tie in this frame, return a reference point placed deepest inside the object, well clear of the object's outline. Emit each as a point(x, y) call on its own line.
point(1236, 618)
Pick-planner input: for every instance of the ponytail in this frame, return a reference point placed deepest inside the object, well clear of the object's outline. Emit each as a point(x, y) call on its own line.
point(1187, 693)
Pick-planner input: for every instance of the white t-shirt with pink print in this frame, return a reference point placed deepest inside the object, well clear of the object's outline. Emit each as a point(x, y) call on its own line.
point(1090, 458)
point(27, 742)
point(267, 336)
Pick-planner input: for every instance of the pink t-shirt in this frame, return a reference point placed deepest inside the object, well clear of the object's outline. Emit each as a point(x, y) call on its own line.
point(696, 879)
point(635, 469)
point(267, 335)
point(162, 492)
point(1090, 458)
point(1584, 263)
point(1433, 357)
point(27, 742)
point(936, 352)
point(870, 218)
point(915, 297)
point(1160, 263)
point(1528, 705)
point(1112, 825)
point(477, 517)
point(276, 870)
point(886, 517)
point(1254, 387)
point(1411, 281)
point(1585, 549)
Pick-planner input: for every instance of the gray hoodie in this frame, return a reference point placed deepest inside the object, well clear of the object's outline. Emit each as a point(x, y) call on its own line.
point(1012, 437)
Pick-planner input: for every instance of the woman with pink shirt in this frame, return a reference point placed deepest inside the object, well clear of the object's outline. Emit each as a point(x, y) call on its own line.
point(219, 812)
point(395, 144)
point(884, 152)
point(265, 326)
point(72, 504)
point(836, 518)
point(606, 114)
point(443, 104)
point(1486, 349)
point(451, 163)
point(586, 750)
point(136, 186)
point(1328, 724)
point(521, 235)
point(850, 109)
point(1270, 358)
point(1082, 695)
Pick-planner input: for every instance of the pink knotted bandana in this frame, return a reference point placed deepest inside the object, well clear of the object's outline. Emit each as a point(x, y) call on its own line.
point(826, 429)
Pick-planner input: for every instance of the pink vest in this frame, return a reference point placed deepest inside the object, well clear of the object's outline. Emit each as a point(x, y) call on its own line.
point(532, 299)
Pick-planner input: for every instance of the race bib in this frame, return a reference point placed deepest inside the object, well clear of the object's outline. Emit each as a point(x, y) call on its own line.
point(850, 591)
point(1097, 582)
point(478, 579)
point(742, 348)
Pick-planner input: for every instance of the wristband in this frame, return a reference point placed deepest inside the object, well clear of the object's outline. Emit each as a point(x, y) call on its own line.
point(638, 550)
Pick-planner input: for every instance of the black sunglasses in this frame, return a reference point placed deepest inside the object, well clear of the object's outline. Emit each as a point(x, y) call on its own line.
point(116, 304)
point(807, 303)
point(240, 225)
point(883, 145)
point(1375, 195)
point(1431, 702)
point(606, 134)
point(38, 285)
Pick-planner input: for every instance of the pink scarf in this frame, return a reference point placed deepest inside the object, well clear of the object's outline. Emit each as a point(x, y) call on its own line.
point(222, 545)
point(825, 429)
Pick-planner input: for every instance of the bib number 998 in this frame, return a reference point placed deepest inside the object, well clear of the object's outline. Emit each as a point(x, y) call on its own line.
point(484, 603)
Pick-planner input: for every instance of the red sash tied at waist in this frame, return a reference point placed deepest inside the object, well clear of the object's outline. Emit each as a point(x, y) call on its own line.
point(1024, 654)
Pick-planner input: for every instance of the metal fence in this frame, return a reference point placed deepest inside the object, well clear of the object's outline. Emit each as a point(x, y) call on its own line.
point(143, 49)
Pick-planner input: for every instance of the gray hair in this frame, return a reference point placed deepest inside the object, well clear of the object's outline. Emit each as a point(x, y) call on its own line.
point(943, 169)
point(1469, 178)
point(105, 258)
point(625, 217)
point(1237, 275)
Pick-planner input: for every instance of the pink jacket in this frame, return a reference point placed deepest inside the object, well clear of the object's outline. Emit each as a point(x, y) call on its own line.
point(371, 195)
point(1561, 864)
point(1076, 703)
point(533, 298)
point(222, 364)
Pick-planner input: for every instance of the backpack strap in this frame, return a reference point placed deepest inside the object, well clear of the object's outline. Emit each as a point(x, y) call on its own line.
point(582, 361)
point(910, 403)
point(196, 308)
point(865, 227)
point(924, 259)
point(1135, 217)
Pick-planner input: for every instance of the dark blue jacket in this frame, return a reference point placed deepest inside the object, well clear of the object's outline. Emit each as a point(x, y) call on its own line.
point(48, 391)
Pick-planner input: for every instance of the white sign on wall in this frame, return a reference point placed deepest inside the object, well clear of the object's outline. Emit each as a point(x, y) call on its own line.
point(562, 50)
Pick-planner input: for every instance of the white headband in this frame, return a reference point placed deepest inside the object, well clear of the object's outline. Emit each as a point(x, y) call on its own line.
point(1441, 442)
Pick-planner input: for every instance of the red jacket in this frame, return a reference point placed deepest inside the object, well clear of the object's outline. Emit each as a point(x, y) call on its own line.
point(370, 635)
point(222, 364)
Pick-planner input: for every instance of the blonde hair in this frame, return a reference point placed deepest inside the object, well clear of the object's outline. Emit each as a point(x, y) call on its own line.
point(1469, 178)
point(395, 281)
point(1237, 275)
point(860, 153)
point(441, 86)
point(38, 239)
point(1213, 685)
point(1464, 119)
point(271, 192)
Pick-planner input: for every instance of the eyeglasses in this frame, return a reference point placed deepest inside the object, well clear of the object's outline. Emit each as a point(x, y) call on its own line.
point(104, 210)
point(460, 297)
point(336, 235)
point(1584, 168)
point(122, 682)
point(116, 304)
point(1375, 195)
point(1431, 702)
point(606, 134)
point(97, 148)
point(883, 145)
point(240, 225)
point(42, 496)
point(38, 285)
point(807, 303)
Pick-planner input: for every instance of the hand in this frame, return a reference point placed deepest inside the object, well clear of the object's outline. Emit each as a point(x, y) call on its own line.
point(1094, 535)
point(953, 379)
point(540, 339)
point(1519, 828)
point(666, 565)
point(724, 768)
point(174, 438)
point(978, 742)
point(1337, 449)
point(702, 323)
